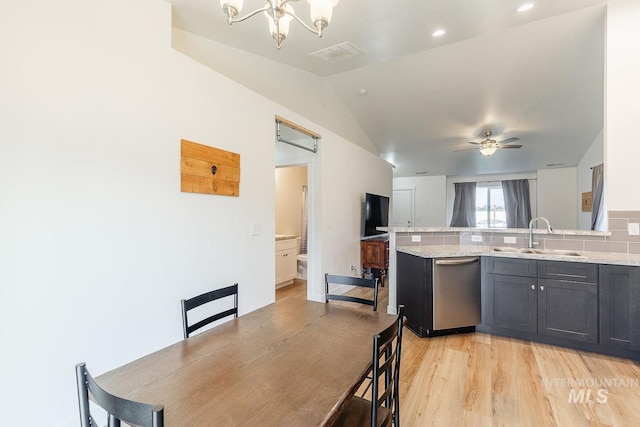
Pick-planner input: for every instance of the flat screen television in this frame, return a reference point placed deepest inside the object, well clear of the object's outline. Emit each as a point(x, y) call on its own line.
point(375, 214)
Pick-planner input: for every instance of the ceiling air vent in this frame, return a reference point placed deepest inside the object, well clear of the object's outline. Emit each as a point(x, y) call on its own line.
point(339, 52)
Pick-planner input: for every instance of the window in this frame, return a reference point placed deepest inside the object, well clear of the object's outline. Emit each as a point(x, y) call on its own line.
point(490, 211)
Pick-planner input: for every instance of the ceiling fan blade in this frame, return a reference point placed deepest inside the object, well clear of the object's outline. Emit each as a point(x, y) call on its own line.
point(509, 140)
point(512, 146)
point(474, 143)
point(464, 149)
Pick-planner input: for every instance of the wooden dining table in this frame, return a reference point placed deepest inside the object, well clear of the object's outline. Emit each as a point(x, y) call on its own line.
point(290, 363)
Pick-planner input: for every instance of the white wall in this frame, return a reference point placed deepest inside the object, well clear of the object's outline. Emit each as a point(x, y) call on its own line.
point(348, 173)
point(557, 201)
point(307, 94)
point(97, 243)
point(430, 198)
point(592, 157)
point(622, 150)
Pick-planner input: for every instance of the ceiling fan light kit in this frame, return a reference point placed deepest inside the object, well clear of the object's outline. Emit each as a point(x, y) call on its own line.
point(280, 14)
point(489, 146)
point(488, 150)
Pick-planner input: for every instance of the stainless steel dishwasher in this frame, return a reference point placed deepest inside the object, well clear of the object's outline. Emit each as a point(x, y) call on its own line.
point(456, 292)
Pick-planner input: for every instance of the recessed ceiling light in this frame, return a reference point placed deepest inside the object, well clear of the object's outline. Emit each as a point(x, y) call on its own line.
point(363, 92)
point(438, 33)
point(525, 7)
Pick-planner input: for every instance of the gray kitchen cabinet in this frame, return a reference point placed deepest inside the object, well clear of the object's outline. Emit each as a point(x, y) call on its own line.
point(512, 266)
point(620, 307)
point(557, 299)
point(568, 271)
point(510, 302)
point(568, 309)
point(414, 290)
point(509, 296)
point(568, 300)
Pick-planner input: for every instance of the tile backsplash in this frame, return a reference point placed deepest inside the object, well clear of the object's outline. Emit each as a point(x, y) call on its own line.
point(618, 226)
point(618, 240)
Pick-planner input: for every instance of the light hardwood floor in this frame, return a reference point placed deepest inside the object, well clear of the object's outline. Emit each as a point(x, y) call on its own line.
point(483, 380)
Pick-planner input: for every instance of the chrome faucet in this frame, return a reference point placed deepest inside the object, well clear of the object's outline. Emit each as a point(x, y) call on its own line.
point(549, 229)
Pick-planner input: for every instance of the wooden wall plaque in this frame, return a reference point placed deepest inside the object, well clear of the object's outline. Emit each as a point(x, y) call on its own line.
point(208, 170)
point(586, 201)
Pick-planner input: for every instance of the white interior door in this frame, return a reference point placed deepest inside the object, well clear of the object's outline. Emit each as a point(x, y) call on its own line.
point(402, 208)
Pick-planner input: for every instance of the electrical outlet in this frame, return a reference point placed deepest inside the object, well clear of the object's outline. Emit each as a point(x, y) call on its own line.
point(416, 239)
point(634, 229)
point(476, 238)
point(509, 239)
point(354, 270)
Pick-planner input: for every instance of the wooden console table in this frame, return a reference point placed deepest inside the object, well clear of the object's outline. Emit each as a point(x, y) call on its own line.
point(374, 254)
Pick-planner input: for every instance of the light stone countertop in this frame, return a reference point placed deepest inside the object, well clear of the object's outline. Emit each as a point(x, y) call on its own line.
point(537, 231)
point(461, 251)
point(285, 237)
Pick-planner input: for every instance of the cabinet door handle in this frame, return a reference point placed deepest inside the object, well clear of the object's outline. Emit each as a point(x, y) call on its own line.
point(533, 287)
point(542, 287)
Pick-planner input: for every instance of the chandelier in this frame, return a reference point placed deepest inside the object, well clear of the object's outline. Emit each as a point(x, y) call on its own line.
point(279, 13)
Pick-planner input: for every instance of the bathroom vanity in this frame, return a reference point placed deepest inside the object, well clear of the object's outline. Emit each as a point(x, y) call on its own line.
point(286, 259)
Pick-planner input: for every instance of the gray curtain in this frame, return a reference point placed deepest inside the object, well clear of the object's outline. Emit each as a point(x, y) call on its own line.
point(464, 205)
point(597, 188)
point(517, 202)
point(305, 221)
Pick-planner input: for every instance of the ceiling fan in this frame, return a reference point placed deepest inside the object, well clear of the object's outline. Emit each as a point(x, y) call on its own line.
point(489, 146)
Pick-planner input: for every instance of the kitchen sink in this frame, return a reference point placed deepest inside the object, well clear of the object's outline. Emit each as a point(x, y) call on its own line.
point(514, 250)
point(557, 252)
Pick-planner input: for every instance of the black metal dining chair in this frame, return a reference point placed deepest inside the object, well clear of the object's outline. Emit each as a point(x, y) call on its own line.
point(351, 281)
point(197, 301)
point(117, 408)
point(383, 408)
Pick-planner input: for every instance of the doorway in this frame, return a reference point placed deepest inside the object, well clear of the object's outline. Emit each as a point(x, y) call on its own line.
point(402, 208)
point(297, 159)
point(291, 214)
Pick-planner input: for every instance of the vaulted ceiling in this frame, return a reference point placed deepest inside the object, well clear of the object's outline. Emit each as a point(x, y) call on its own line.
point(535, 75)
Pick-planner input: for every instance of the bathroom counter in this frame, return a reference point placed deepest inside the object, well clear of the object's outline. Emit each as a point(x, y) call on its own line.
point(287, 248)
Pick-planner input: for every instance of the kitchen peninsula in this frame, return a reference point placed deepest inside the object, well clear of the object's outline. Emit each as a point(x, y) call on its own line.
point(538, 293)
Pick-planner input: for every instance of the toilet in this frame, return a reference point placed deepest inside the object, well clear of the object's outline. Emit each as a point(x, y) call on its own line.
point(302, 266)
point(302, 263)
